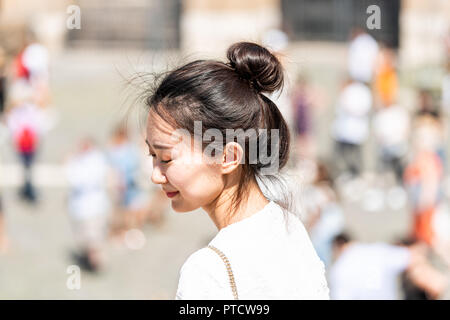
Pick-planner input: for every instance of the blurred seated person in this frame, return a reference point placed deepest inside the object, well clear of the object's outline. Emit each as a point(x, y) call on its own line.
point(368, 271)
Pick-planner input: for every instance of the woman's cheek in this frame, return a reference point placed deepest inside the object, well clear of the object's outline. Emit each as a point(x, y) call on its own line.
point(181, 175)
point(196, 182)
point(176, 176)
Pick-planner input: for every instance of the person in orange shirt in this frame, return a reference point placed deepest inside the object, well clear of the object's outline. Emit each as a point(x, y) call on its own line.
point(423, 176)
point(386, 82)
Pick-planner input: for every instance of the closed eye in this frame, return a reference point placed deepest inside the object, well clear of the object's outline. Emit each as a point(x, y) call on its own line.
point(154, 155)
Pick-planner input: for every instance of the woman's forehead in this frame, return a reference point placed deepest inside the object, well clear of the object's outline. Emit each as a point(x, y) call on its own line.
point(157, 126)
point(159, 131)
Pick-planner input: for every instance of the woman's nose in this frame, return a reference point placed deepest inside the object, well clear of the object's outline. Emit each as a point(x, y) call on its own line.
point(157, 176)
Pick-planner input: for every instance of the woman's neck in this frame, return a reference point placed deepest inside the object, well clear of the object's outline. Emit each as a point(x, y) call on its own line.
point(220, 210)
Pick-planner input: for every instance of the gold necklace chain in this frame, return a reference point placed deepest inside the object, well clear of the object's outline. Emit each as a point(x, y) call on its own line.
point(230, 272)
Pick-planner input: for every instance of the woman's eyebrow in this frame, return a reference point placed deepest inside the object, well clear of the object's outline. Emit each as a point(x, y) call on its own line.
point(158, 146)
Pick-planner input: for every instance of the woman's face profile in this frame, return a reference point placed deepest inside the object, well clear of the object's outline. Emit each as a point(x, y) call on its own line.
point(189, 182)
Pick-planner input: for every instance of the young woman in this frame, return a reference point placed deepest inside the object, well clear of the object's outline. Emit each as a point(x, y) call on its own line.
point(261, 250)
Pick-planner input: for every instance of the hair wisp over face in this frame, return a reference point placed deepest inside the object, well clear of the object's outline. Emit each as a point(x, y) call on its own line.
point(229, 95)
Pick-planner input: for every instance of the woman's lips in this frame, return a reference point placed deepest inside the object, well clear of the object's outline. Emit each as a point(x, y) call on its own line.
point(172, 194)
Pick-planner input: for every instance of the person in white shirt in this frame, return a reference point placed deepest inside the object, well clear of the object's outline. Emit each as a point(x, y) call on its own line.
point(368, 271)
point(262, 250)
point(351, 124)
point(89, 205)
point(391, 127)
point(362, 54)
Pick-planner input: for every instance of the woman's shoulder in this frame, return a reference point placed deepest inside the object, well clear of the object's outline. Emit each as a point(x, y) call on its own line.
point(203, 258)
point(203, 276)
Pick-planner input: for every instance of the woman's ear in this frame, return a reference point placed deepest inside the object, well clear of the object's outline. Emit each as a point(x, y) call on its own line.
point(232, 157)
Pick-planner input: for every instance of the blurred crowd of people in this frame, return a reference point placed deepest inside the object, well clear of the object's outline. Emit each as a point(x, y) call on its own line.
point(109, 193)
point(24, 97)
point(409, 145)
point(106, 197)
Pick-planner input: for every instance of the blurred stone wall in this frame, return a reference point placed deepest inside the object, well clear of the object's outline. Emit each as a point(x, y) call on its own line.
point(210, 26)
point(423, 26)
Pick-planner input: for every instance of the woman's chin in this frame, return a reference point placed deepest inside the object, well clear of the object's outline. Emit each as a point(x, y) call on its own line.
point(178, 207)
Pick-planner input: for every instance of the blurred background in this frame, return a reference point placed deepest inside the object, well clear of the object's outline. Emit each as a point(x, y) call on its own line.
point(367, 99)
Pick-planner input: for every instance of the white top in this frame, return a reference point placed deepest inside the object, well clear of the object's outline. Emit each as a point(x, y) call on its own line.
point(268, 260)
point(87, 177)
point(35, 58)
point(352, 110)
point(368, 272)
point(391, 126)
point(362, 54)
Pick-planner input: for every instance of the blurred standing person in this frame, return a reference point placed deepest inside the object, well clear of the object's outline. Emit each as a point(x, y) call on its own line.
point(26, 118)
point(391, 126)
point(362, 55)
point(423, 176)
point(26, 124)
point(302, 105)
point(2, 79)
point(124, 158)
point(351, 125)
point(87, 173)
point(391, 121)
point(326, 220)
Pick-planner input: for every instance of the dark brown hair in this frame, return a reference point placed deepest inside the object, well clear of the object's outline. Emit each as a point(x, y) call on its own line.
point(227, 95)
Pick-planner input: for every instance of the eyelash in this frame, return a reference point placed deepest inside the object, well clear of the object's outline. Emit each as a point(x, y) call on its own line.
point(154, 155)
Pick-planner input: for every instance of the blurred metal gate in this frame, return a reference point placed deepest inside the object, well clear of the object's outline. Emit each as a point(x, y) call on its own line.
point(333, 20)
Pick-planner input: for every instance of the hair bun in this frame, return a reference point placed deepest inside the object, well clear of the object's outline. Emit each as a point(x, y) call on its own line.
point(257, 65)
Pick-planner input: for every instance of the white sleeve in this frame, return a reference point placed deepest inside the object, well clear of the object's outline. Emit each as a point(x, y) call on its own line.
point(319, 290)
point(203, 277)
point(323, 292)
